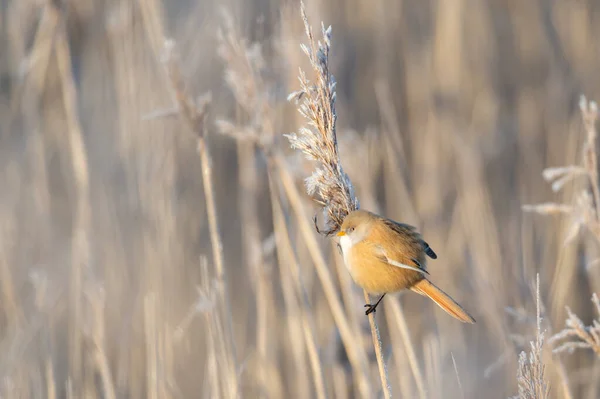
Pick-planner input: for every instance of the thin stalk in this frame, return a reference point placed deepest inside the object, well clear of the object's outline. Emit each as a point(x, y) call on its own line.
point(217, 249)
point(248, 181)
point(193, 114)
point(396, 316)
point(357, 357)
point(50, 383)
point(80, 252)
point(284, 246)
point(383, 372)
point(590, 115)
point(150, 335)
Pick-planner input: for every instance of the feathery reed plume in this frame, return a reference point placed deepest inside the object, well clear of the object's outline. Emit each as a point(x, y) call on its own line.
point(585, 337)
point(530, 374)
point(585, 210)
point(329, 185)
point(245, 68)
point(245, 73)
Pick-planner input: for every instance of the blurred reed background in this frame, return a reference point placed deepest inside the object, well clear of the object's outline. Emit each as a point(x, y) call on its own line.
point(448, 112)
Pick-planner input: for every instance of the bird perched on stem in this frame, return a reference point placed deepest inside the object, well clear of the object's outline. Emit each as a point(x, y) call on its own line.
point(384, 256)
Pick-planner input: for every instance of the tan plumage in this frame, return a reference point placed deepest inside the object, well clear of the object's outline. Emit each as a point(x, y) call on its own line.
point(384, 256)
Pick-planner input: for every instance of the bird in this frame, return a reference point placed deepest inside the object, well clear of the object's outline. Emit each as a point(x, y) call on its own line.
point(384, 256)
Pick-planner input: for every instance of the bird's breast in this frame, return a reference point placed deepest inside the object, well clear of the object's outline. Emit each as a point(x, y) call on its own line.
point(346, 245)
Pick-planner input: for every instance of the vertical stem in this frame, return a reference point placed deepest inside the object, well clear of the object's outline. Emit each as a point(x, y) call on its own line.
point(398, 315)
point(284, 246)
point(217, 249)
point(50, 383)
point(590, 116)
point(80, 250)
point(151, 353)
point(357, 358)
point(383, 373)
point(251, 235)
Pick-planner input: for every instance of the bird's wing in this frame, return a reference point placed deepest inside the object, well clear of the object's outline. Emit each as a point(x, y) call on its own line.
point(381, 253)
point(406, 229)
point(400, 228)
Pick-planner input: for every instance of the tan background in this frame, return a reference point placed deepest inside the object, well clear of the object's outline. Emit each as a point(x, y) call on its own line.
point(448, 111)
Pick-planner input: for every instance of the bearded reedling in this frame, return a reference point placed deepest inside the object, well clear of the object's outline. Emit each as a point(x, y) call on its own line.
point(384, 256)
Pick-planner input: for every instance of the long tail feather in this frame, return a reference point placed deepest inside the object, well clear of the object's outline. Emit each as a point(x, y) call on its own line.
point(443, 300)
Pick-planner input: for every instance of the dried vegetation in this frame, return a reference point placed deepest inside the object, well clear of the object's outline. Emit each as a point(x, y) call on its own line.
point(159, 242)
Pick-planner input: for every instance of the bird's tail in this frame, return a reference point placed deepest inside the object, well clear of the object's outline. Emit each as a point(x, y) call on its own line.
point(443, 300)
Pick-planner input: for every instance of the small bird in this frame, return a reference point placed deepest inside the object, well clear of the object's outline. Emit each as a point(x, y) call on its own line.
point(384, 256)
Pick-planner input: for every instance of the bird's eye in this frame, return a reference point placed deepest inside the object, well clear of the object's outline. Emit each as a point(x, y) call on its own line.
point(350, 229)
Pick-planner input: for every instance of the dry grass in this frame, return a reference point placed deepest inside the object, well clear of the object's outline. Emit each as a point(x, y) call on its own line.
point(143, 254)
point(531, 378)
point(586, 337)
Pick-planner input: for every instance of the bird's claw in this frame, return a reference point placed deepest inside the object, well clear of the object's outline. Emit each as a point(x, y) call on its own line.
point(370, 309)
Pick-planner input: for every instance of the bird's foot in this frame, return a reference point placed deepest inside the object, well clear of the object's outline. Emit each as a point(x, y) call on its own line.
point(370, 308)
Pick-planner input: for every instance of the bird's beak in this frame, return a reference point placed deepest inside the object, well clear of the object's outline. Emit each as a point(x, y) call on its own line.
point(341, 233)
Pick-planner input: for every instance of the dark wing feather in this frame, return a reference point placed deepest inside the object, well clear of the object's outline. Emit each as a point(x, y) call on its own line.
point(429, 251)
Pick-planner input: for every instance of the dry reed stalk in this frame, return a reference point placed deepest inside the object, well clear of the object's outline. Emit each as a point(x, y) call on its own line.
point(480, 227)
point(36, 64)
point(30, 99)
point(97, 301)
point(9, 298)
point(340, 383)
point(217, 248)
point(396, 317)
point(355, 353)
point(460, 387)
point(433, 369)
point(290, 264)
point(383, 372)
point(584, 210)
point(69, 389)
point(244, 65)
point(328, 185)
point(50, 383)
point(193, 114)
point(150, 336)
point(530, 376)
point(81, 252)
point(216, 340)
point(298, 373)
point(170, 384)
point(205, 305)
point(586, 337)
point(251, 233)
point(242, 76)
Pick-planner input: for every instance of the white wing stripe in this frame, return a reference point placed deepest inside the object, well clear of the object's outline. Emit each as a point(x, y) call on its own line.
point(403, 266)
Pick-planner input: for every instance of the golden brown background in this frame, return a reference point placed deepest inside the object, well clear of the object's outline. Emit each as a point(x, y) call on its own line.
point(448, 111)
